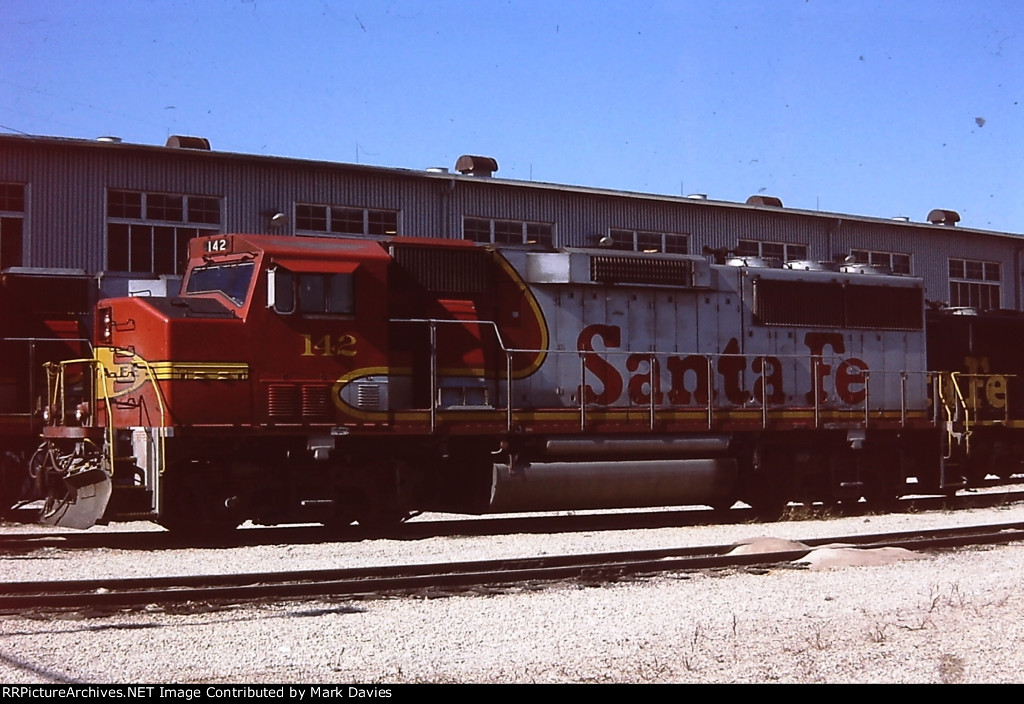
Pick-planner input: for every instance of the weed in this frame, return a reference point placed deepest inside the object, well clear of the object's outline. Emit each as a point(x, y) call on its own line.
point(877, 632)
point(819, 641)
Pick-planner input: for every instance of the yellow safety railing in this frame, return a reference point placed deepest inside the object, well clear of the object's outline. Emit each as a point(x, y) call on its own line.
point(101, 375)
point(951, 406)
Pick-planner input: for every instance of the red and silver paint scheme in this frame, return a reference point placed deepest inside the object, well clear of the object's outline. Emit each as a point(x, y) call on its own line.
point(338, 380)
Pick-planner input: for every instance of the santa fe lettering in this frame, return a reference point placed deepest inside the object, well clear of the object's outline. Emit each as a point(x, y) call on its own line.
point(690, 376)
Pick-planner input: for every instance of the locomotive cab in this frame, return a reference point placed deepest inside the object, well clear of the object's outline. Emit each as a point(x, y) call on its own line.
point(180, 387)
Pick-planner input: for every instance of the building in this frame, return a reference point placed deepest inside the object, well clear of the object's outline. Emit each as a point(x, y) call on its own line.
point(125, 212)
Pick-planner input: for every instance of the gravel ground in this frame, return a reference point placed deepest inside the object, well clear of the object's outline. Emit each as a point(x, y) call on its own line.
point(950, 617)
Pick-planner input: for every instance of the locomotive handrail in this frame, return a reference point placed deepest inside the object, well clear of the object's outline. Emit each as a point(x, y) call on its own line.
point(958, 403)
point(760, 399)
point(433, 376)
point(815, 360)
point(973, 396)
point(100, 375)
point(967, 412)
point(867, 396)
point(903, 398)
point(47, 339)
point(583, 401)
point(57, 397)
point(161, 436)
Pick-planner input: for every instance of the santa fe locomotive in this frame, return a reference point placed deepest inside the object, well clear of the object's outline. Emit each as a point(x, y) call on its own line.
point(312, 380)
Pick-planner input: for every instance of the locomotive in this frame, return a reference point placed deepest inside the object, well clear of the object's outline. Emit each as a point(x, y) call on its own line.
point(978, 393)
point(301, 379)
point(43, 315)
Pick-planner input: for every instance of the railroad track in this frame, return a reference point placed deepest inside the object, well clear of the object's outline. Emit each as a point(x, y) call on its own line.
point(24, 543)
point(20, 597)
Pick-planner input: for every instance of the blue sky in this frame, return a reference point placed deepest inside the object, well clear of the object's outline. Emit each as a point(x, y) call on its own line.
point(871, 108)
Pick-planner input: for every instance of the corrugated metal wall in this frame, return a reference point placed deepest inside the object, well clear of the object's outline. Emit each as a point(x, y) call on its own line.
point(65, 219)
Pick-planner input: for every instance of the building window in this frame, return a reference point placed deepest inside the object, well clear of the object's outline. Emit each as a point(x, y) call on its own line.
point(772, 250)
point(204, 210)
point(339, 220)
point(974, 284)
point(896, 263)
point(641, 241)
point(12, 219)
point(491, 231)
point(12, 197)
point(149, 232)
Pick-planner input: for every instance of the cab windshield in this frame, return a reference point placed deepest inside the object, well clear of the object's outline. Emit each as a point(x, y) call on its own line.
point(232, 280)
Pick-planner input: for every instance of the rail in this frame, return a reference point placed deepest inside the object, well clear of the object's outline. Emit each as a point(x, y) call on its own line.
point(607, 567)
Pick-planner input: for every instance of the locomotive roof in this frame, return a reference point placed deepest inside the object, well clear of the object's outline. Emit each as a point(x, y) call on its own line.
point(269, 160)
point(287, 247)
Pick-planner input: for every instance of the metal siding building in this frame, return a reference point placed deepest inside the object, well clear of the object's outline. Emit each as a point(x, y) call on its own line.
point(66, 188)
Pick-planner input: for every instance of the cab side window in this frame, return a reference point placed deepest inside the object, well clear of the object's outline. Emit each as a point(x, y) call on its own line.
point(284, 291)
point(314, 294)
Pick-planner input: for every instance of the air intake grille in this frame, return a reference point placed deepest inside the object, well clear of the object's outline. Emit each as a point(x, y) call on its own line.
point(314, 401)
point(282, 401)
point(655, 271)
point(368, 396)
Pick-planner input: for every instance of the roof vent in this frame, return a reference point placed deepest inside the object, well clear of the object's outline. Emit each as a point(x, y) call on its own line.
point(944, 217)
point(469, 165)
point(177, 141)
point(109, 139)
point(698, 196)
point(861, 268)
point(809, 265)
point(753, 262)
point(764, 200)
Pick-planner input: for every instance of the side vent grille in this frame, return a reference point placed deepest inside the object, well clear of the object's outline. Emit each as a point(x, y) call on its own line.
point(610, 269)
point(314, 401)
point(290, 401)
point(368, 396)
point(282, 401)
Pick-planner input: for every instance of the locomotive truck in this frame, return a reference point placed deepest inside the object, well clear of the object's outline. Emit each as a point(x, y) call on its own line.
point(301, 379)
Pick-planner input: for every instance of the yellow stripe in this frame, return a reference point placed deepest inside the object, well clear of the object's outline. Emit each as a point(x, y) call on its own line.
point(200, 371)
point(634, 414)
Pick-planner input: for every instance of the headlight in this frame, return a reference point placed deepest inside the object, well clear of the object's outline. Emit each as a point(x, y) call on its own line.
point(106, 324)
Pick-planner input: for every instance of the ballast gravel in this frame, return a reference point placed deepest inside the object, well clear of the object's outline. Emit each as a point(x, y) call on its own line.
point(947, 617)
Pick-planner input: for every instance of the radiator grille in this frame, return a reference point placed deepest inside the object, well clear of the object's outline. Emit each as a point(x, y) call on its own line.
point(839, 305)
point(444, 270)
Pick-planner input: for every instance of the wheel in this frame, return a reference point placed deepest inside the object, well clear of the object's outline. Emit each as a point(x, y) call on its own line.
point(770, 484)
point(196, 504)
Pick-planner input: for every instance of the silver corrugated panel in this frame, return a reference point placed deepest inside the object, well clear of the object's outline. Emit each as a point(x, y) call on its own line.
point(67, 181)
